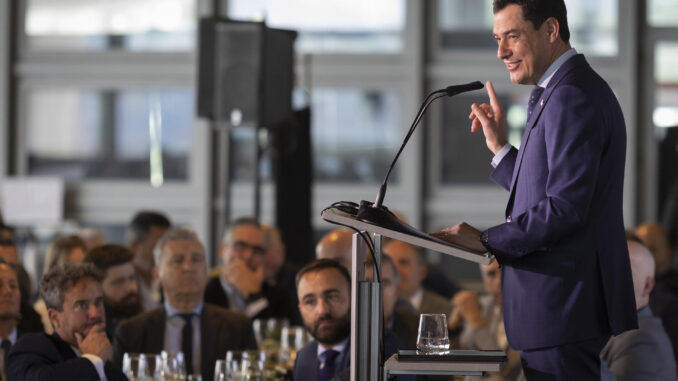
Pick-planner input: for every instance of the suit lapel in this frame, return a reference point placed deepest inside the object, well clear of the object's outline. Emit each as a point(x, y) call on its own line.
point(155, 331)
point(207, 339)
point(532, 121)
point(64, 349)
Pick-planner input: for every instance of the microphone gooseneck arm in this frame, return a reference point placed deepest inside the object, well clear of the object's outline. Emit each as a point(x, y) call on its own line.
point(446, 92)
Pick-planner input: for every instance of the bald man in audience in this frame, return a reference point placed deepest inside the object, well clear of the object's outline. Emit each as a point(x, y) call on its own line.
point(410, 263)
point(644, 353)
point(336, 245)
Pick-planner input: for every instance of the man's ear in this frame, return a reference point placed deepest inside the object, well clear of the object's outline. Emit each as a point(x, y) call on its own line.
point(649, 286)
point(552, 28)
point(54, 318)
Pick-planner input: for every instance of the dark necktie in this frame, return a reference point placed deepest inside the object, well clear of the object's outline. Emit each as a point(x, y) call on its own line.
point(534, 99)
point(187, 342)
point(6, 345)
point(326, 366)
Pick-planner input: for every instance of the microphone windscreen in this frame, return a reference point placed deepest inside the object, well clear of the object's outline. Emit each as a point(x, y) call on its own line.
point(458, 89)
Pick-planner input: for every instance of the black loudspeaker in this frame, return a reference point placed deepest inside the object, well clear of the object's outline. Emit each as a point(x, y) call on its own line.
point(246, 72)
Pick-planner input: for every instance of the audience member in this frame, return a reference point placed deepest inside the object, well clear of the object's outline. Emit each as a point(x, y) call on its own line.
point(411, 265)
point(202, 332)
point(67, 248)
point(324, 293)
point(277, 271)
point(654, 236)
point(483, 322)
point(644, 353)
point(663, 299)
point(64, 249)
point(30, 319)
point(336, 245)
point(403, 323)
point(78, 349)
point(119, 284)
point(92, 237)
point(10, 304)
point(241, 283)
point(143, 232)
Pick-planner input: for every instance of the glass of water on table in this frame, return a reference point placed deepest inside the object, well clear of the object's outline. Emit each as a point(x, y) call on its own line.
point(432, 337)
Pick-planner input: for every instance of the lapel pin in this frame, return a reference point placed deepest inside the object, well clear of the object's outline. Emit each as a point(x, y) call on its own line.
point(542, 102)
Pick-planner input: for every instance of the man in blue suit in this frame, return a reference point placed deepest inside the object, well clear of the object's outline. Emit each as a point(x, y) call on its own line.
point(324, 289)
point(566, 278)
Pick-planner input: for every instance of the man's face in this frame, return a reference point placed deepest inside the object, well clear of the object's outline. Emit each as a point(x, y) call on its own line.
point(121, 293)
point(389, 288)
point(248, 244)
point(325, 304)
point(492, 280)
point(182, 269)
point(10, 296)
point(412, 272)
point(524, 50)
point(83, 308)
point(9, 254)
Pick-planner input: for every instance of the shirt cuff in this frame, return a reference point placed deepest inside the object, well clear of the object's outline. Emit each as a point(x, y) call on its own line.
point(500, 155)
point(98, 364)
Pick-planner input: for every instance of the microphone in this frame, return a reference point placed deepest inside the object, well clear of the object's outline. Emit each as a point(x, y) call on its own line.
point(449, 91)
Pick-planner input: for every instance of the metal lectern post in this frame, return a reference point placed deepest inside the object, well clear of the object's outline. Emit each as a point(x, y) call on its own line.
point(366, 313)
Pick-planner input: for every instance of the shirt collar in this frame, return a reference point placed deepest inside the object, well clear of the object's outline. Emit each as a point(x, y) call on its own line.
point(171, 311)
point(548, 74)
point(339, 347)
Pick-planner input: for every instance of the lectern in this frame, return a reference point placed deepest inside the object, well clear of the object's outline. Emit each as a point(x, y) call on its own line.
point(366, 297)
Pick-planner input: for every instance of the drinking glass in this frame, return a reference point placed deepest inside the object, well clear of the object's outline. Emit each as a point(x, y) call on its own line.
point(221, 371)
point(432, 336)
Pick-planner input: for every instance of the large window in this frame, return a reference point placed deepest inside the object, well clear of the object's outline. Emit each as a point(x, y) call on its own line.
point(332, 26)
point(133, 25)
point(84, 134)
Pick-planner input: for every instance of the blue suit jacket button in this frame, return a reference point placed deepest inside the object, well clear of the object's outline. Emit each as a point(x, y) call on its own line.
point(509, 219)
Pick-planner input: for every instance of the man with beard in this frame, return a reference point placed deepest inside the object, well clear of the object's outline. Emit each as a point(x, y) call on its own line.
point(78, 349)
point(202, 332)
point(323, 287)
point(121, 293)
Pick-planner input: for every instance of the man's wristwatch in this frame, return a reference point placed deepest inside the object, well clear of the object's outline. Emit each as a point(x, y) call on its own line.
point(484, 239)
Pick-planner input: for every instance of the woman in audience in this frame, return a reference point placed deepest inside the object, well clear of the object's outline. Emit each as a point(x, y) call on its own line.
point(64, 249)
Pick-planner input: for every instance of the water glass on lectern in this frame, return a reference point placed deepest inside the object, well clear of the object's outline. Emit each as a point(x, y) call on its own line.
point(432, 337)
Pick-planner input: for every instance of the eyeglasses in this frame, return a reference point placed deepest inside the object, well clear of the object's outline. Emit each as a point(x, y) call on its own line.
point(242, 246)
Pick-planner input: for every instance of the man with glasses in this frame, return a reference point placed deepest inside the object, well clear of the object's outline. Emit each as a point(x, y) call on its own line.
point(240, 284)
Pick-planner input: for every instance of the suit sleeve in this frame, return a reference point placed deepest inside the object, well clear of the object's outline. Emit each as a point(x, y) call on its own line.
point(573, 138)
point(29, 359)
point(503, 173)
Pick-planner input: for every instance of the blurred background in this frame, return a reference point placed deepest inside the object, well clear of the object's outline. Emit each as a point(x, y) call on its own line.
point(99, 98)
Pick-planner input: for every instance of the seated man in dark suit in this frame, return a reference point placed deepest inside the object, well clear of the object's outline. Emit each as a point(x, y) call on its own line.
point(644, 353)
point(120, 283)
point(202, 332)
point(240, 285)
point(78, 349)
point(324, 293)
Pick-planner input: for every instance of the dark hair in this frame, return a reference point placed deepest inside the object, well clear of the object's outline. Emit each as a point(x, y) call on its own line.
point(106, 256)
point(537, 11)
point(242, 221)
point(323, 264)
point(140, 226)
point(60, 278)
point(60, 248)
